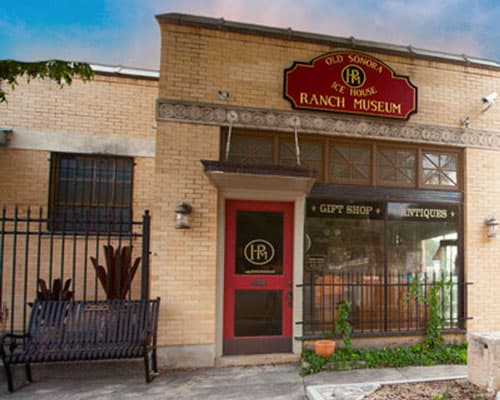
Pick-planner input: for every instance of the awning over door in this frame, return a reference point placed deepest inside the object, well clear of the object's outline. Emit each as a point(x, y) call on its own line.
point(225, 175)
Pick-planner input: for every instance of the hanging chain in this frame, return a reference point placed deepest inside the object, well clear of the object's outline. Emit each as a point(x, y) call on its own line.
point(297, 148)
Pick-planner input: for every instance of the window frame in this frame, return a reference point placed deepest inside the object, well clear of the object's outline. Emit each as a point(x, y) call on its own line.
point(112, 227)
point(459, 170)
point(312, 140)
point(376, 167)
point(379, 195)
point(342, 142)
point(327, 142)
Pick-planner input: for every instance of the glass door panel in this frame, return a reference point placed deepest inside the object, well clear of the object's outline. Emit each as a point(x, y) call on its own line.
point(423, 246)
point(344, 261)
point(258, 313)
point(259, 243)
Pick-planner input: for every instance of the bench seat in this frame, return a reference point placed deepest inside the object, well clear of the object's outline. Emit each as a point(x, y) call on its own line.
point(85, 330)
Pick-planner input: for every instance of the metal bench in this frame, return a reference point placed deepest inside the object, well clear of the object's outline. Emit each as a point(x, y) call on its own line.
point(84, 330)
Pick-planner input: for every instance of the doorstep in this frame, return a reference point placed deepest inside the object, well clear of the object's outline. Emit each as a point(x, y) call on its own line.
point(256, 359)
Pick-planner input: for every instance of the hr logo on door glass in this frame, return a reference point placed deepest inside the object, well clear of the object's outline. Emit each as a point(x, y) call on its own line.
point(259, 252)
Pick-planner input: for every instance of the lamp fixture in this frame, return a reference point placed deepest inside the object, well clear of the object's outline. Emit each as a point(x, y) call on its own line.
point(465, 122)
point(492, 224)
point(4, 135)
point(223, 95)
point(182, 212)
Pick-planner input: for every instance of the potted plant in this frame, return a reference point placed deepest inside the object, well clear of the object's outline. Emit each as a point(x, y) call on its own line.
point(58, 291)
point(326, 347)
point(117, 277)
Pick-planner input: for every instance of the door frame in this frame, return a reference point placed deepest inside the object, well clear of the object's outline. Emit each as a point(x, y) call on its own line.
point(283, 282)
point(298, 198)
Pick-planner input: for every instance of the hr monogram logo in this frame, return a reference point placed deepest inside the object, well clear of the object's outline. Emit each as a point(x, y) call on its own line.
point(353, 76)
point(259, 252)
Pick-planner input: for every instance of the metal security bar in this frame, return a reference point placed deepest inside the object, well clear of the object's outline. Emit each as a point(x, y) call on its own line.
point(391, 304)
point(37, 261)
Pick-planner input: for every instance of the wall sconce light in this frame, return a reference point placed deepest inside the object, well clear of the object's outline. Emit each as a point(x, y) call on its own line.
point(223, 95)
point(4, 135)
point(182, 212)
point(492, 224)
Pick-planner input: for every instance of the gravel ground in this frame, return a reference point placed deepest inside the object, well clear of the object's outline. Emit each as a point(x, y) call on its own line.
point(457, 390)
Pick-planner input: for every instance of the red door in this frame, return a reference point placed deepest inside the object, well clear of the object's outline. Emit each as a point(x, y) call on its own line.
point(258, 280)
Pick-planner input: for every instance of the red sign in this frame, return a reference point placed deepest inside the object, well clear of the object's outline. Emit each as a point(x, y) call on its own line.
point(349, 82)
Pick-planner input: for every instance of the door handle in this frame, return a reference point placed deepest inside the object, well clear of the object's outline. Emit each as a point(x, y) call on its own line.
point(289, 298)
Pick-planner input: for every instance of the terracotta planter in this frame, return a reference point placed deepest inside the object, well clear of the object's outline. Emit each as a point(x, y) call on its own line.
point(324, 348)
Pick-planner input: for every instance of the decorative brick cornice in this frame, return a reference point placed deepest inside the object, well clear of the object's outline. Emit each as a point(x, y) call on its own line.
point(322, 123)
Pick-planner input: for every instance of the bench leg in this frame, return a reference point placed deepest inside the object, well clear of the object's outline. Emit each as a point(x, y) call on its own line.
point(8, 375)
point(147, 365)
point(150, 364)
point(29, 376)
point(155, 363)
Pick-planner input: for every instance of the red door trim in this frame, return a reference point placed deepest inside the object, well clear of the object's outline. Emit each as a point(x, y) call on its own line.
point(234, 282)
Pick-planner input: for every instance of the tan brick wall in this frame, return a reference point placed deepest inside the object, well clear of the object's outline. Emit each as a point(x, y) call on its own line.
point(197, 62)
point(185, 260)
point(482, 254)
point(24, 178)
point(107, 105)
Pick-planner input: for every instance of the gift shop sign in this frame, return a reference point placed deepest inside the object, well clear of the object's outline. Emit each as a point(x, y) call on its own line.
point(350, 82)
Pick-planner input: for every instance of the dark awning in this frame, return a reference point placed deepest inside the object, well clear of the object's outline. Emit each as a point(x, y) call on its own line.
point(227, 175)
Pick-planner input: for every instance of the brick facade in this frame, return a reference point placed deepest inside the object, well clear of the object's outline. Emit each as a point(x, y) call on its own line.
point(200, 59)
point(111, 115)
point(115, 115)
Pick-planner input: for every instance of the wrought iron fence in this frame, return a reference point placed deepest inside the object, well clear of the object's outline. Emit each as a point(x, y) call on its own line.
point(91, 263)
point(382, 304)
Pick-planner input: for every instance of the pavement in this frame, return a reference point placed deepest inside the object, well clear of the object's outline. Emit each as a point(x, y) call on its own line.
point(125, 380)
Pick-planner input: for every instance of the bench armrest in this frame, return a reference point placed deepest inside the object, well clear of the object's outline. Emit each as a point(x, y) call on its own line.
point(10, 342)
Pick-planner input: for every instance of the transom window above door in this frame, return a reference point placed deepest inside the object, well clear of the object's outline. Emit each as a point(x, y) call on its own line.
point(345, 161)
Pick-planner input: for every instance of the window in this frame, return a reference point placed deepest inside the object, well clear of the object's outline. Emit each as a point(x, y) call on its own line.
point(91, 193)
point(350, 163)
point(310, 154)
point(396, 167)
point(371, 253)
point(440, 169)
point(251, 150)
point(356, 162)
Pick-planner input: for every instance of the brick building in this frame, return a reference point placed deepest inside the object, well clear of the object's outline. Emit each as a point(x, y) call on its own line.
point(317, 169)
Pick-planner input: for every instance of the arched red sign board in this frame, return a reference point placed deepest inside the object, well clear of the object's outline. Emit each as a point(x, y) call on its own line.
point(350, 82)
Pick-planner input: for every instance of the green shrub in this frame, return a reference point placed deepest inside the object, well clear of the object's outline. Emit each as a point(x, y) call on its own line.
point(393, 357)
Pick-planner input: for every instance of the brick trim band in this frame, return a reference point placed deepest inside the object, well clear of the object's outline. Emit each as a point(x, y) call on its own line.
point(317, 123)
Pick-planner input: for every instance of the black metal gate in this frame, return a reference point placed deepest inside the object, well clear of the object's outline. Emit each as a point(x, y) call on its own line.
point(38, 261)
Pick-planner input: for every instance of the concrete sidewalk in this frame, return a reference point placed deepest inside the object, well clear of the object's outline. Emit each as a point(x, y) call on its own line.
point(125, 380)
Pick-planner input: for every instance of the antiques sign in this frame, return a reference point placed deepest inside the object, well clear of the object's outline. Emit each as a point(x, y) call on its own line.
point(419, 212)
point(350, 82)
